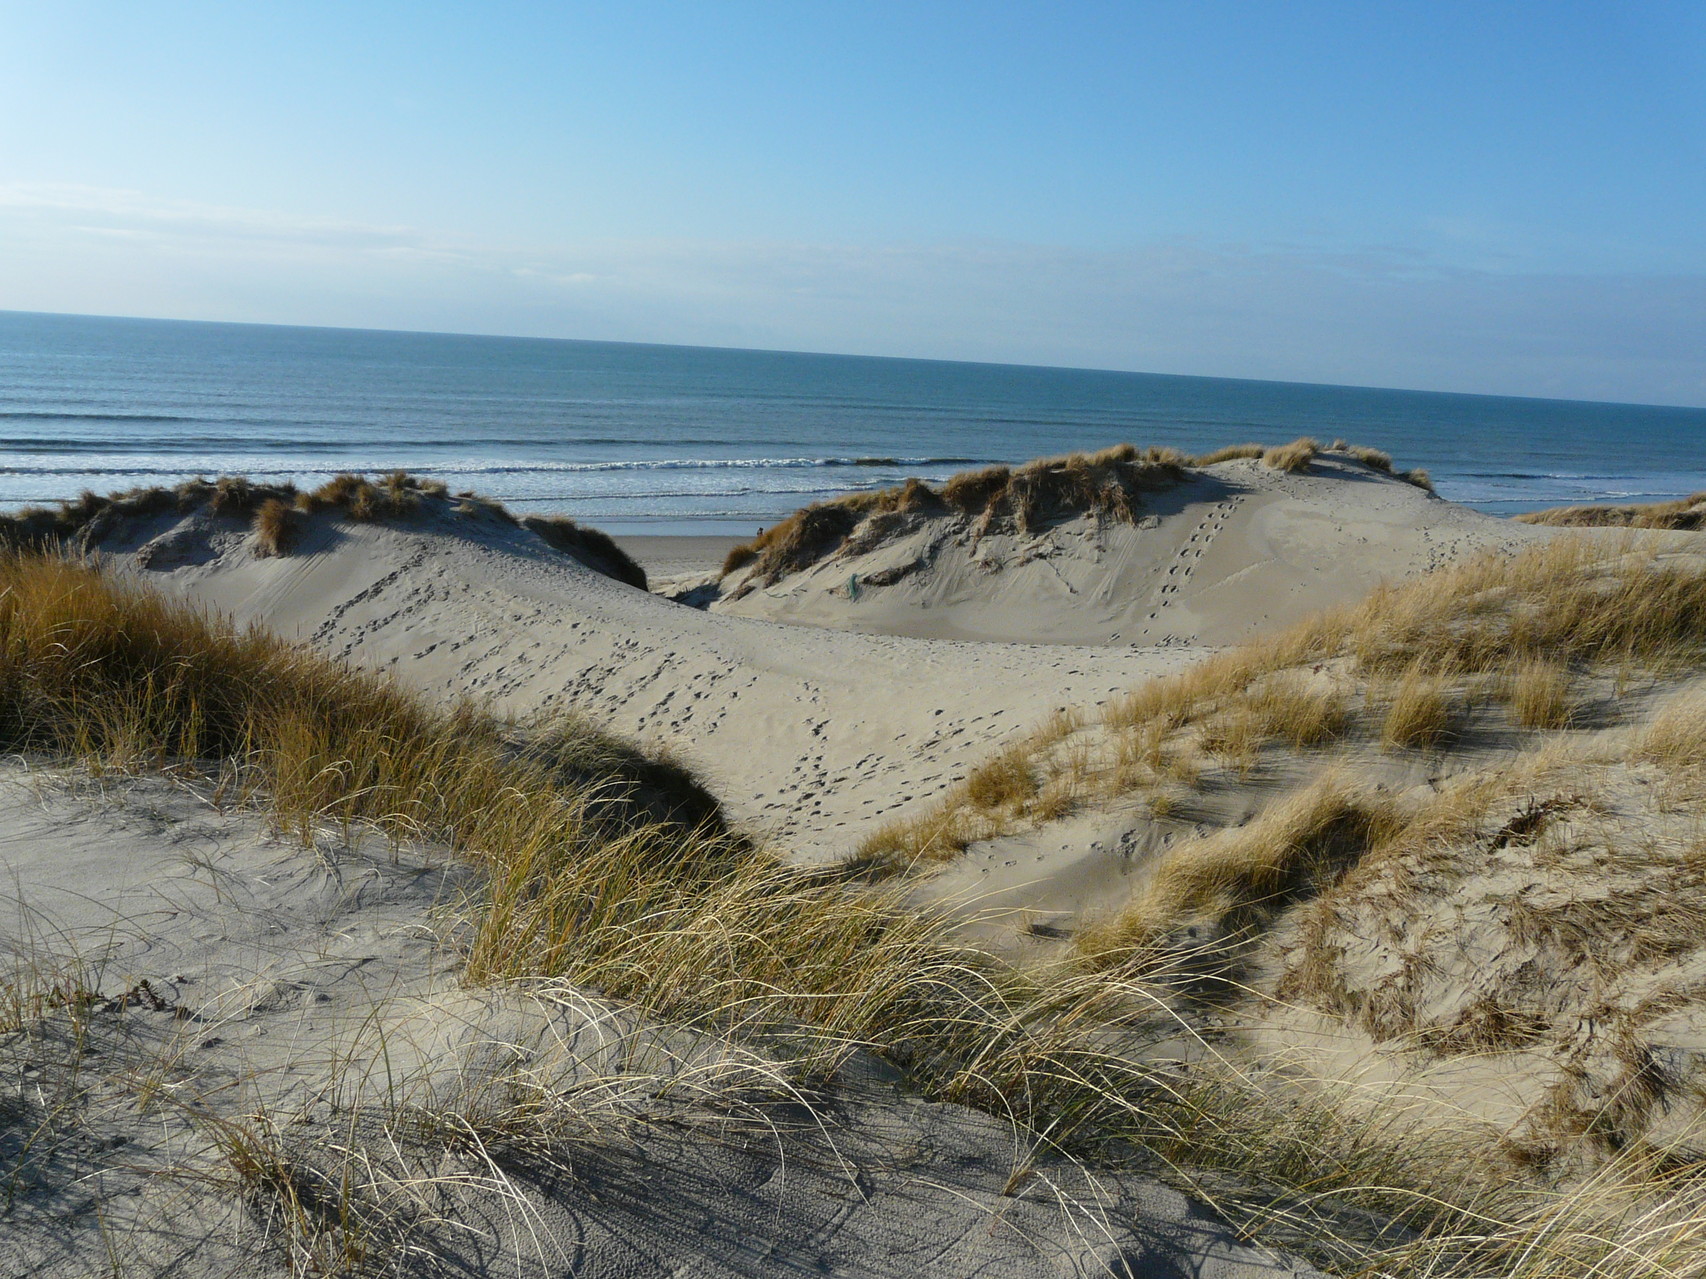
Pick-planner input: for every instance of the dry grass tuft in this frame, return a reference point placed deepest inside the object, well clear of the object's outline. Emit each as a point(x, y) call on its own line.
point(1292, 457)
point(1375, 458)
point(1291, 708)
point(1538, 693)
point(396, 497)
point(1206, 895)
point(597, 549)
point(1231, 453)
point(1419, 477)
point(1676, 737)
point(1420, 714)
point(277, 525)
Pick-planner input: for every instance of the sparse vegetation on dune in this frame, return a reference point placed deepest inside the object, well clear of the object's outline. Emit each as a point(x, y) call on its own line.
point(1685, 514)
point(650, 901)
point(1245, 874)
point(1107, 485)
point(563, 534)
point(276, 513)
point(1548, 901)
point(1411, 665)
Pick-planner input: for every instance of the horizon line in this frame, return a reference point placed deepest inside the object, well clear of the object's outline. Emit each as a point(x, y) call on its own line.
point(852, 355)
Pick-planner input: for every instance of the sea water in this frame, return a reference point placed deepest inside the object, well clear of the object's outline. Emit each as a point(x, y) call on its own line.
point(673, 439)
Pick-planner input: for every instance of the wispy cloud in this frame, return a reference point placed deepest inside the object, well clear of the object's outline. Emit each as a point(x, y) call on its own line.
point(137, 214)
point(1377, 315)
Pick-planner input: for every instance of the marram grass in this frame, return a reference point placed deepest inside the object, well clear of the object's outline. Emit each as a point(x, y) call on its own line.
point(673, 913)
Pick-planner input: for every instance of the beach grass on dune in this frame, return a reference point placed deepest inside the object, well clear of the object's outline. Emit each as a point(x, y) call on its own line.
point(1685, 514)
point(1413, 662)
point(1108, 484)
point(277, 513)
point(601, 872)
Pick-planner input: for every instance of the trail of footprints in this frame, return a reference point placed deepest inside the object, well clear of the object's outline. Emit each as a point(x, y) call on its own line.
point(1185, 562)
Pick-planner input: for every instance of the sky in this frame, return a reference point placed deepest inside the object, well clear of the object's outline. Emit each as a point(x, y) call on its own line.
point(1492, 197)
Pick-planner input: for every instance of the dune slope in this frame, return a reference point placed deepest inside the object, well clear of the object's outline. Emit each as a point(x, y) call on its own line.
point(261, 1062)
point(803, 733)
point(1223, 552)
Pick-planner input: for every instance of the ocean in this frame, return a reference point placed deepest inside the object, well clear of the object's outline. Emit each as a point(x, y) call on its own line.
point(673, 439)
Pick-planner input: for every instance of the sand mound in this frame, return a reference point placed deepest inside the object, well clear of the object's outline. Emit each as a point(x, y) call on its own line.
point(1111, 548)
point(270, 519)
point(247, 1056)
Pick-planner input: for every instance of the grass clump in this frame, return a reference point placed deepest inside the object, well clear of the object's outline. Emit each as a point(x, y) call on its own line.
point(1676, 737)
point(1230, 453)
point(1539, 693)
point(1220, 888)
point(590, 545)
point(1420, 713)
point(277, 526)
point(396, 497)
point(1293, 457)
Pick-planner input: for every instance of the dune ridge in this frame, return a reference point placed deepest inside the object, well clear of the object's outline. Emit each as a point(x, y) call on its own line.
point(1117, 547)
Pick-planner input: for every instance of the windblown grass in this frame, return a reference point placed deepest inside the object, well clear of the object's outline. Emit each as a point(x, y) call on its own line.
point(690, 923)
point(1221, 886)
point(1524, 630)
point(277, 527)
point(1539, 694)
point(1420, 713)
point(1295, 456)
point(1676, 737)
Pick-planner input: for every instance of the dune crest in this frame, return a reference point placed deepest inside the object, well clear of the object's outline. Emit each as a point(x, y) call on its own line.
point(1117, 547)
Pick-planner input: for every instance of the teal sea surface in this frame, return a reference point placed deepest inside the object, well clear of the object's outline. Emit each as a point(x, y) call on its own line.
point(672, 439)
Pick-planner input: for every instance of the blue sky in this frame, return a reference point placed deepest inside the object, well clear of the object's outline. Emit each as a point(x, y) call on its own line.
point(1482, 197)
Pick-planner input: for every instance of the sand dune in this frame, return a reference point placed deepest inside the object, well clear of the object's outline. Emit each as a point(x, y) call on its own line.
point(278, 975)
point(813, 734)
point(805, 734)
point(307, 1002)
point(1230, 550)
